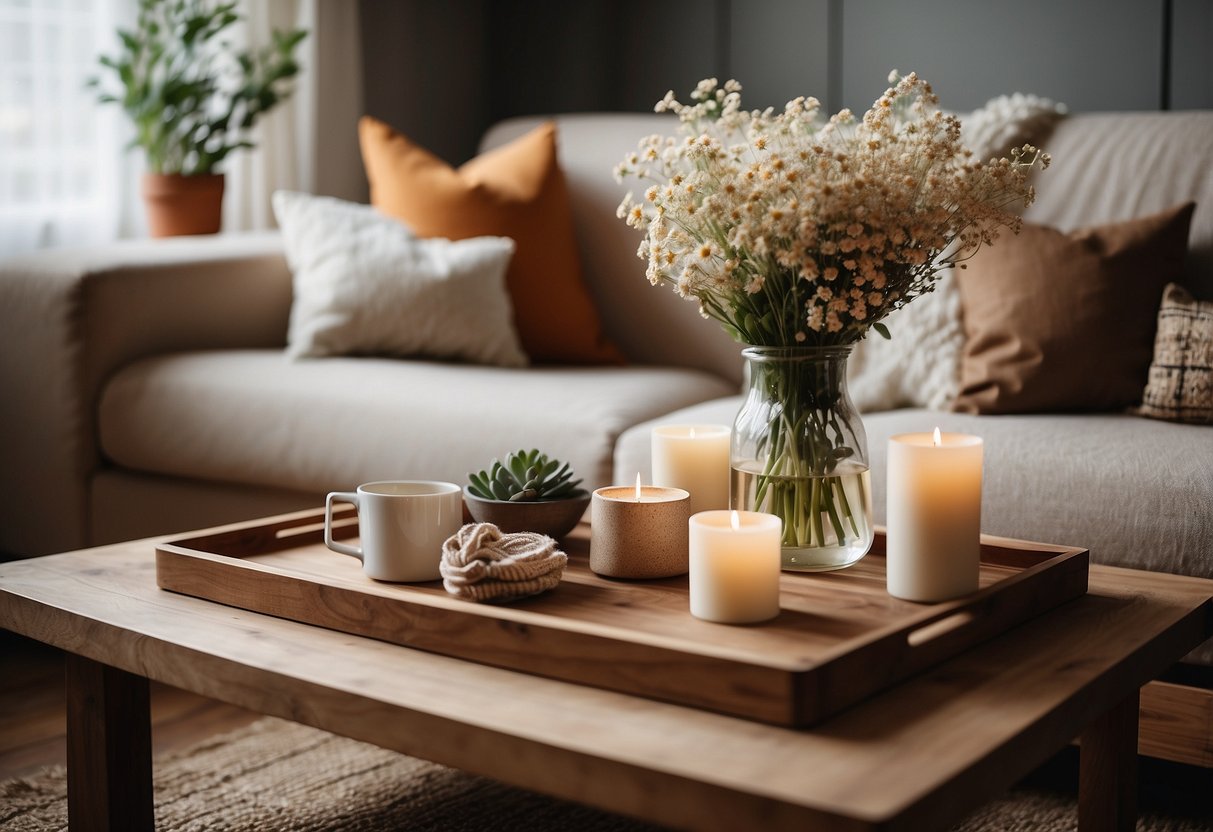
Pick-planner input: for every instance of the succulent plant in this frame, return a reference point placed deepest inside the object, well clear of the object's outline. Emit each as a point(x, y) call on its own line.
point(525, 476)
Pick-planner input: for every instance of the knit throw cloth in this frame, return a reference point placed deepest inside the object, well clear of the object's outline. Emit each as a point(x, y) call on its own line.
point(480, 563)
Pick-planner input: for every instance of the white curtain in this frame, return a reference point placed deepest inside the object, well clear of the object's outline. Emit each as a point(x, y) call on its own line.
point(65, 178)
point(62, 172)
point(307, 143)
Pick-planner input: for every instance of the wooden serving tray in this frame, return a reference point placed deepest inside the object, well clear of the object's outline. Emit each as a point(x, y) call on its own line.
point(838, 638)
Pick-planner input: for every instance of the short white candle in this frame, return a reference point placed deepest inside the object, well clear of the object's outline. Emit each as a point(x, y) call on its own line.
point(639, 531)
point(934, 515)
point(694, 458)
point(735, 566)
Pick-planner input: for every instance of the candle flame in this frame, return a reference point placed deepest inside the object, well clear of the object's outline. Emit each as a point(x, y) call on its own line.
point(692, 433)
point(938, 438)
point(638, 486)
point(735, 519)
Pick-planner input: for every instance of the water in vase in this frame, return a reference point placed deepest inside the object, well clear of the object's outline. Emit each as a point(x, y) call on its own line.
point(827, 519)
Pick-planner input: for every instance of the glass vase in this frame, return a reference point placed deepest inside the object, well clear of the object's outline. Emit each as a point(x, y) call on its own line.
point(799, 452)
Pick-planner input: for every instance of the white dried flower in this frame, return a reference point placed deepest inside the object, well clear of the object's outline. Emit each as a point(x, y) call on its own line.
point(785, 227)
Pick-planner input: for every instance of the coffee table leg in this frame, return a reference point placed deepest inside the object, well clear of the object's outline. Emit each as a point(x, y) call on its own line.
point(109, 748)
point(1107, 779)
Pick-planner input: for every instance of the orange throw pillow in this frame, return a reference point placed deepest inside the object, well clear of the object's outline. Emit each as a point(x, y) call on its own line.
point(1065, 322)
point(515, 191)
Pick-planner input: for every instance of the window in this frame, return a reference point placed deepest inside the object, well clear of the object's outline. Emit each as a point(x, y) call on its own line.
point(60, 152)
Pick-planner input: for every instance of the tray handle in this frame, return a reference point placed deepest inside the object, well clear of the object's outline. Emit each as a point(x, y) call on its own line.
point(989, 612)
point(940, 627)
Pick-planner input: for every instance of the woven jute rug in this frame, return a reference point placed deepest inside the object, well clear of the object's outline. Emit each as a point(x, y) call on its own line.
point(276, 775)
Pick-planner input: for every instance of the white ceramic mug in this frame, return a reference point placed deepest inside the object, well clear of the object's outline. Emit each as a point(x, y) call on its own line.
point(402, 524)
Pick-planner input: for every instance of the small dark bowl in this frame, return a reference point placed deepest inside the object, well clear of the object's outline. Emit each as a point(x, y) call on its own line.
point(555, 518)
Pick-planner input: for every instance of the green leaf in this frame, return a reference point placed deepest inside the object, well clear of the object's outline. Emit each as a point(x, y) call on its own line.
point(291, 40)
point(883, 330)
point(500, 474)
point(478, 485)
point(131, 42)
point(517, 465)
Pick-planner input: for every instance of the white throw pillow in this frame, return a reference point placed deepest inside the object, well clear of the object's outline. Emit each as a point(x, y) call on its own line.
point(920, 366)
point(366, 285)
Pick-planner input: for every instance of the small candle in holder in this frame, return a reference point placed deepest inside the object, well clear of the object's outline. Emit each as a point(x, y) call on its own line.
point(934, 515)
point(639, 532)
point(694, 458)
point(735, 566)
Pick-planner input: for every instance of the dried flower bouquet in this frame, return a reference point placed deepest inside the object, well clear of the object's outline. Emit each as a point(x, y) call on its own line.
point(795, 231)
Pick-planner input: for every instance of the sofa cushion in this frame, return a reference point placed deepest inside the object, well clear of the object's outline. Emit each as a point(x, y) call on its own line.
point(516, 191)
point(1065, 322)
point(253, 417)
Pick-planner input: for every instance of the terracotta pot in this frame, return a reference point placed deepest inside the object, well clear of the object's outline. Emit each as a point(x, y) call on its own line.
point(178, 205)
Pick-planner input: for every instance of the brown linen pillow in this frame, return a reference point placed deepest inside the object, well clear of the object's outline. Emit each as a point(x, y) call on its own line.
point(1180, 386)
point(516, 191)
point(1065, 322)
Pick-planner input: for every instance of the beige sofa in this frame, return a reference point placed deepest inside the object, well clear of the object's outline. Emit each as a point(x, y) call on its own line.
point(145, 388)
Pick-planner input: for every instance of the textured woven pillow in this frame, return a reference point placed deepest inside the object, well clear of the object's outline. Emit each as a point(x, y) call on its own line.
point(516, 191)
point(1180, 386)
point(364, 284)
point(1058, 322)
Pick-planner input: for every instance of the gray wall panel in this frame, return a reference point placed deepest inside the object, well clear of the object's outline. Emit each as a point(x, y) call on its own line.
point(779, 49)
point(425, 70)
point(666, 45)
point(1192, 55)
point(1089, 54)
point(443, 72)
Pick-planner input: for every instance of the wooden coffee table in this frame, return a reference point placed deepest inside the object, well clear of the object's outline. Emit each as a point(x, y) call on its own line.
point(919, 756)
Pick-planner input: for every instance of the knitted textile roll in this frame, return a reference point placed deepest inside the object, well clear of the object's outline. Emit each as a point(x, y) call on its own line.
point(480, 563)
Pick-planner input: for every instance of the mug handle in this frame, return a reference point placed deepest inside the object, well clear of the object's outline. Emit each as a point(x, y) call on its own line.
point(337, 546)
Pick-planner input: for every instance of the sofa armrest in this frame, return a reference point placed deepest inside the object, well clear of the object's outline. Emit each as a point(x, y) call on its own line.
point(69, 319)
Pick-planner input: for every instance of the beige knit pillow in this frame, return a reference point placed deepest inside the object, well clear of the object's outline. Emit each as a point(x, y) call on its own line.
point(1180, 385)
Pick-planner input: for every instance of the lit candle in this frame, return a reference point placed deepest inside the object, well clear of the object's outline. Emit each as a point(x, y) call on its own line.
point(735, 566)
point(934, 515)
point(639, 532)
point(694, 458)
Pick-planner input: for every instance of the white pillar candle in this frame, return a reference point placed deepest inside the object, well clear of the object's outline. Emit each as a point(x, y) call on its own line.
point(735, 566)
point(694, 458)
point(934, 515)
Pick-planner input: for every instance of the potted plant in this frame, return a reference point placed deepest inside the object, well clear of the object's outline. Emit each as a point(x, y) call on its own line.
point(529, 492)
point(193, 100)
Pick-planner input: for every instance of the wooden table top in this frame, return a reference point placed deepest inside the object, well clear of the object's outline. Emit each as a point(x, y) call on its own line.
point(920, 755)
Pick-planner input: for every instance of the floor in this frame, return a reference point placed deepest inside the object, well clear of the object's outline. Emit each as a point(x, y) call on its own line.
point(33, 723)
point(33, 719)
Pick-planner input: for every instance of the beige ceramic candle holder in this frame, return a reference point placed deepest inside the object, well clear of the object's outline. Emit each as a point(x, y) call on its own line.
point(648, 538)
